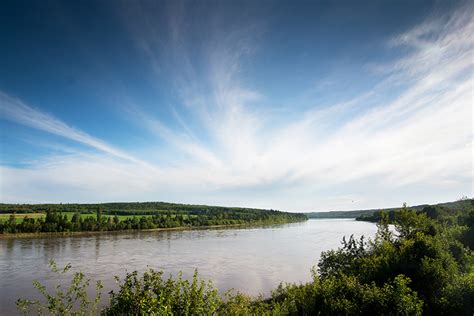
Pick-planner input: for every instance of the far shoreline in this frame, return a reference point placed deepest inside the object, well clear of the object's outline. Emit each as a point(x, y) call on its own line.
point(100, 232)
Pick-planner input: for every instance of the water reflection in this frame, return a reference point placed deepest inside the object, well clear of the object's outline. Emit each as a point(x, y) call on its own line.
point(253, 260)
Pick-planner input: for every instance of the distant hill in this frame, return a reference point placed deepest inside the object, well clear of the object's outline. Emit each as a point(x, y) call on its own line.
point(132, 208)
point(366, 213)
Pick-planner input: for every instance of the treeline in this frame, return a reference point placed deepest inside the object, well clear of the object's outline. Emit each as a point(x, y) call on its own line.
point(131, 208)
point(373, 215)
point(437, 211)
point(339, 214)
point(55, 221)
point(423, 267)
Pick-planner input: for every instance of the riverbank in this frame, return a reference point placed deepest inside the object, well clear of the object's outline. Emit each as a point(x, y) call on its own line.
point(91, 233)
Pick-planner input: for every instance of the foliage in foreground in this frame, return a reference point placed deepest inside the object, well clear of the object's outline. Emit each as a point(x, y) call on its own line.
point(424, 267)
point(71, 301)
point(153, 295)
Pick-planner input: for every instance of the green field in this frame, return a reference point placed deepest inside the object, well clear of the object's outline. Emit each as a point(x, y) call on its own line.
point(19, 216)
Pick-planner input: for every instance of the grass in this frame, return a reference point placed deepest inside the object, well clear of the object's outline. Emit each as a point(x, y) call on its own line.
point(19, 217)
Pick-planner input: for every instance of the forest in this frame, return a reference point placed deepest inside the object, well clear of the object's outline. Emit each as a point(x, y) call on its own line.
point(423, 266)
point(64, 218)
point(366, 215)
point(432, 211)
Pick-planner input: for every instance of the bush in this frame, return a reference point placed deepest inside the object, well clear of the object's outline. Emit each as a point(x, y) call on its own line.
point(153, 295)
point(72, 301)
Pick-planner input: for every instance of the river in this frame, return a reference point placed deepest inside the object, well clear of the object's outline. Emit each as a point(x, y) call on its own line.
point(252, 260)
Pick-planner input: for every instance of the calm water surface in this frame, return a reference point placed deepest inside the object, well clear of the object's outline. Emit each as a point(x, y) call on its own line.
point(252, 260)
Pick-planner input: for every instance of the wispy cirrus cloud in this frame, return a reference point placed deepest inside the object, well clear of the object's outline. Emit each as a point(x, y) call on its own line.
point(15, 110)
point(416, 140)
point(391, 140)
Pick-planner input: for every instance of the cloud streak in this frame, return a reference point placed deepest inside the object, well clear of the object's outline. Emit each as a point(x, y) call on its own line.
point(416, 143)
point(17, 111)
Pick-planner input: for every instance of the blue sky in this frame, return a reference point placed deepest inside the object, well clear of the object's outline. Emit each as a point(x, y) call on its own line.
point(297, 106)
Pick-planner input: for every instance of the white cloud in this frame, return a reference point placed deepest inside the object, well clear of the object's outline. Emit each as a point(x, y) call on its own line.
point(417, 144)
point(17, 111)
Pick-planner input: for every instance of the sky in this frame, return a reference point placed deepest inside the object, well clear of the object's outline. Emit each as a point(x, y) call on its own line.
point(289, 105)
